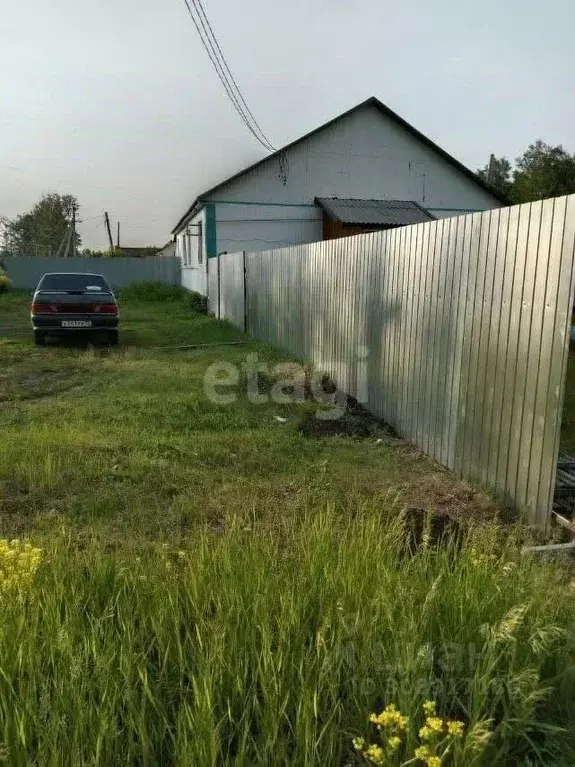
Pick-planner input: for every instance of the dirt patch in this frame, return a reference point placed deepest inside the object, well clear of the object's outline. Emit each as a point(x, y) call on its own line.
point(355, 421)
point(27, 385)
point(422, 528)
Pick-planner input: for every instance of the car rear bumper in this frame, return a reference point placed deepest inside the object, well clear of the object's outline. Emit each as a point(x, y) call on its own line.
point(54, 325)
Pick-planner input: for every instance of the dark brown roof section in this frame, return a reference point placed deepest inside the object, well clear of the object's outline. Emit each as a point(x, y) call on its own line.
point(384, 110)
point(374, 212)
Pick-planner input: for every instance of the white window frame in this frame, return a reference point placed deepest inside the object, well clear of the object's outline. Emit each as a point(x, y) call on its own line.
point(200, 237)
point(185, 248)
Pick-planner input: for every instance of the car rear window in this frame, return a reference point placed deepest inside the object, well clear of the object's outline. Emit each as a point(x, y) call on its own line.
point(73, 282)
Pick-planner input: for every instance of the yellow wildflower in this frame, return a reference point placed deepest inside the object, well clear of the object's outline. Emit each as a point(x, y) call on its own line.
point(358, 744)
point(427, 757)
point(425, 733)
point(394, 743)
point(429, 707)
point(18, 564)
point(390, 717)
point(375, 754)
point(455, 728)
point(434, 723)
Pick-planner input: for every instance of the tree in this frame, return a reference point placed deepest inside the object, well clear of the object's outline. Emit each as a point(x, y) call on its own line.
point(116, 253)
point(497, 174)
point(543, 171)
point(4, 223)
point(41, 230)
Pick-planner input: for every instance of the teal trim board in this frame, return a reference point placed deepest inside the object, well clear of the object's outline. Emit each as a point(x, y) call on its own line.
point(211, 242)
point(253, 202)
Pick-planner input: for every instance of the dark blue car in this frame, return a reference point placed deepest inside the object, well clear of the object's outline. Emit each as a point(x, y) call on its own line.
point(72, 302)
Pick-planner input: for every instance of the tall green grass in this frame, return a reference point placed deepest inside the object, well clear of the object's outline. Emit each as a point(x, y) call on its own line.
point(272, 643)
point(152, 291)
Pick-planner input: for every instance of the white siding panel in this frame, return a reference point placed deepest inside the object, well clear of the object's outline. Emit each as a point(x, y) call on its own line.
point(265, 227)
point(364, 155)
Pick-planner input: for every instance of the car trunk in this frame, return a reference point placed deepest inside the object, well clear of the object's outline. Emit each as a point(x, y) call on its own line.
point(74, 302)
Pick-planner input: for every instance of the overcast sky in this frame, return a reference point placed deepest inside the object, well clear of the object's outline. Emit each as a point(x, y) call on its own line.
point(116, 102)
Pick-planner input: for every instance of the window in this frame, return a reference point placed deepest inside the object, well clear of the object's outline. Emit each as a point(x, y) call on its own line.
point(200, 244)
point(184, 250)
point(74, 283)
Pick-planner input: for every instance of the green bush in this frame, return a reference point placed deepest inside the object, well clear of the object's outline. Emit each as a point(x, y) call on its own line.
point(197, 302)
point(157, 291)
point(5, 283)
point(153, 291)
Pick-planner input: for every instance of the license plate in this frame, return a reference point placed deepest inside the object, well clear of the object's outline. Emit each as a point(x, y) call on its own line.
point(76, 323)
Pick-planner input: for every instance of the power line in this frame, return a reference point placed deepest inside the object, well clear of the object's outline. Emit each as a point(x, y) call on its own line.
point(96, 227)
point(211, 51)
point(239, 99)
point(91, 218)
point(230, 73)
point(224, 73)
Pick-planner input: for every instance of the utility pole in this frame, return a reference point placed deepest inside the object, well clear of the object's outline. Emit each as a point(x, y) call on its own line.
point(60, 252)
point(73, 236)
point(64, 246)
point(118, 237)
point(111, 241)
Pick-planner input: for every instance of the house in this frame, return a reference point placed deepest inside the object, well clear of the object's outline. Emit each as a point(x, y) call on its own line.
point(169, 249)
point(366, 169)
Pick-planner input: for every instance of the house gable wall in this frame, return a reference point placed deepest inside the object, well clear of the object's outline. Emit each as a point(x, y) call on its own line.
point(364, 155)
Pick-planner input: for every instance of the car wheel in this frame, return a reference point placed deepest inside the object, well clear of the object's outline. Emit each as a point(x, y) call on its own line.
point(113, 337)
point(39, 337)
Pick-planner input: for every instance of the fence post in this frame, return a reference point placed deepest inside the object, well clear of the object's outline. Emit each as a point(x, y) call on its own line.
point(245, 295)
point(219, 287)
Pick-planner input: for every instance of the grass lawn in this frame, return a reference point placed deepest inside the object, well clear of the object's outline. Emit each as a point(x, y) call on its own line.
point(215, 587)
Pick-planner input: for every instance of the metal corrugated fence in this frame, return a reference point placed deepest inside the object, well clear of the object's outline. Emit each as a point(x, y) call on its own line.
point(25, 271)
point(454, 331)
point(214, 286)
point(231, 288)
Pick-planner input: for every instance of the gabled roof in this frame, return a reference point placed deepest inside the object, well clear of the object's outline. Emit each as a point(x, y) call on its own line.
point(384, 110)
point(374, 212)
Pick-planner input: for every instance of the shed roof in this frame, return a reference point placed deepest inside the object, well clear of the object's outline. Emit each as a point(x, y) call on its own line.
point(374, 212)
point(384, 110)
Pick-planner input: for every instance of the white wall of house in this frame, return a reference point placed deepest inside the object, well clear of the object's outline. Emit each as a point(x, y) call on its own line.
point(265, 227)
point(191, 250)
point(363, 155)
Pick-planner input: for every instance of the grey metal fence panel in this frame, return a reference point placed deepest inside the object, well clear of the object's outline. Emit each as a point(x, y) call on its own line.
point(231, 293)
point(560, 333)
point(213, 286)
point(454, 331)
point(25, 271)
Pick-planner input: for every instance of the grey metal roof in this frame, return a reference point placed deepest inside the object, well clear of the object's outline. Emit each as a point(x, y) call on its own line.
point(374, 212)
